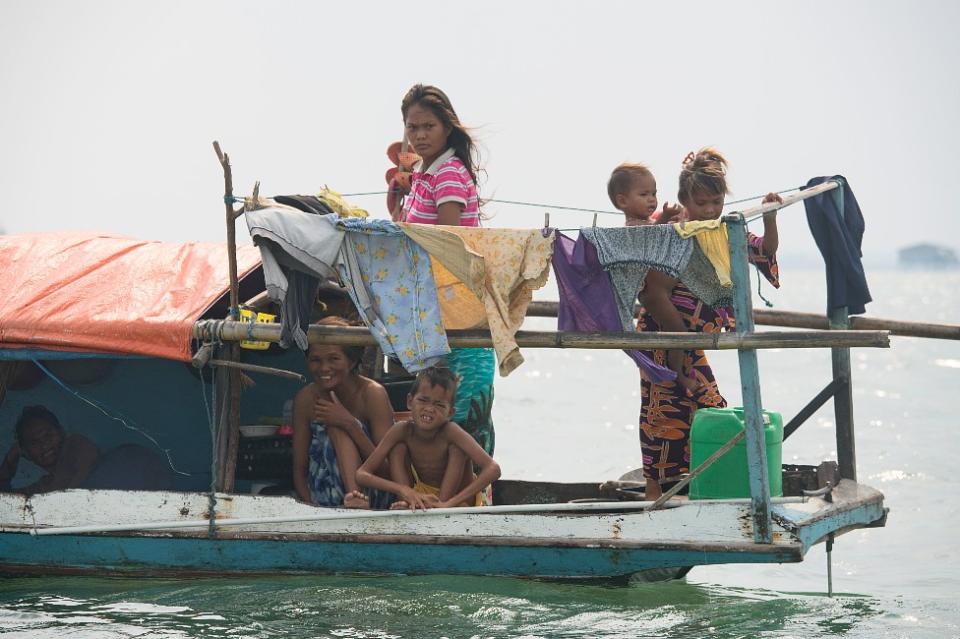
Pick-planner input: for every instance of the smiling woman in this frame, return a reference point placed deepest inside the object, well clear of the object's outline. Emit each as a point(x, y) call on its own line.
point(338, 419)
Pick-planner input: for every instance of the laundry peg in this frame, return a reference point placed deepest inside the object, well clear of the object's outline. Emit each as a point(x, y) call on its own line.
point(546, 220)
point(594, 220)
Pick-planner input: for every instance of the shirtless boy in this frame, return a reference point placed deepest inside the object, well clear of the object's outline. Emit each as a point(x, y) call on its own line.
point(431, 457)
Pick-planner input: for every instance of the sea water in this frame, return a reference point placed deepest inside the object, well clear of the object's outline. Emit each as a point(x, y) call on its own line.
point(571, 415)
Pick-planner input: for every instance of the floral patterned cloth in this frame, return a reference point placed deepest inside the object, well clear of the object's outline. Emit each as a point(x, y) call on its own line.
point(515, 262)
point(323, 475)
point(390, 281)
point(667, 411)
point(474, 404)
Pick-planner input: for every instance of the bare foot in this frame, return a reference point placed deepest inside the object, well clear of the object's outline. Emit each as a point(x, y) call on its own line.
point(399, 505)
point(356, 499)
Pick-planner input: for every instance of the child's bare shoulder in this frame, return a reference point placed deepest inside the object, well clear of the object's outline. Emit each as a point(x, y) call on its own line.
point(402, 429)
point(453, 431)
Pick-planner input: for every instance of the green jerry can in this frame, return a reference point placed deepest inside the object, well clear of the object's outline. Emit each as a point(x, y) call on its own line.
point(729, 476)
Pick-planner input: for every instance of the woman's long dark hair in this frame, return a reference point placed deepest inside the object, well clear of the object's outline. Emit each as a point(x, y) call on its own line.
point(430, 97)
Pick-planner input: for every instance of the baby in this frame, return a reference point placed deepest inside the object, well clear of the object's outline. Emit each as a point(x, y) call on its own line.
point(633, 190)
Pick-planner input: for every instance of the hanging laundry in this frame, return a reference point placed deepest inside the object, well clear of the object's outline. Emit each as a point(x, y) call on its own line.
point(629, 252)
point(389, 279)
point(264, 203)
point(459, 277)
point(298, 250)
point(339, 205)
point(587, 302)
point(305, 203)
point(703, 280)
point(838, 236)
point(500, 267)
point(713, 240)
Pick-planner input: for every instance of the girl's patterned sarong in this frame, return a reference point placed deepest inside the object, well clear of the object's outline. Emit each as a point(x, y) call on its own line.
point(667, 411)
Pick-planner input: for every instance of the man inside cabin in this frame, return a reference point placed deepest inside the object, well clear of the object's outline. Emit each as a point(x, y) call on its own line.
point(67, 458)
point(73, 461)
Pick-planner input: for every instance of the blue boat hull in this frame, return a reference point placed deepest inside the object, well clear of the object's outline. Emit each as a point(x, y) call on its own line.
point(83, 554)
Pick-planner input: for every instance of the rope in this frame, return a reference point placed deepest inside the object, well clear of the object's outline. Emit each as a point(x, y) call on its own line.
point(118, 417)
point(568, 208)
point(364, 193)
point(759, 292)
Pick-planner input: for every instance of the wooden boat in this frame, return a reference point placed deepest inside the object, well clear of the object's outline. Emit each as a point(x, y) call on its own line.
point(211, 524)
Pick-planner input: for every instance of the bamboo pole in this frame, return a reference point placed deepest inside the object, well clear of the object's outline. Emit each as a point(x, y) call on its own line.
point(228, 466)
point(757, 211)
point(793, 319)
point(359, 336)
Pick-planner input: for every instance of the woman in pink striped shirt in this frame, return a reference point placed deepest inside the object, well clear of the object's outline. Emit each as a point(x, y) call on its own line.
point(443, 189)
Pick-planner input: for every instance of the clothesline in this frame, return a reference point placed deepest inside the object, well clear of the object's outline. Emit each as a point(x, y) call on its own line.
point(570, 208)
point(240, 200)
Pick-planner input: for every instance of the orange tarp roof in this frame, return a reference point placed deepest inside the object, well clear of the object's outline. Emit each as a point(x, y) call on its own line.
point(105, 293)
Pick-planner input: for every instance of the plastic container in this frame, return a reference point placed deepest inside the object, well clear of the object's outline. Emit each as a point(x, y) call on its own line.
point(258, 430)
point(729, 476)
point(249, 316)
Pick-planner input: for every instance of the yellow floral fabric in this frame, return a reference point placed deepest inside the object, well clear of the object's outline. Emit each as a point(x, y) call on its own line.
point(498, 267)
point(713, 240)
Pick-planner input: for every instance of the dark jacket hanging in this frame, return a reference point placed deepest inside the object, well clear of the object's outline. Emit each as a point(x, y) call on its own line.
point(838, 237)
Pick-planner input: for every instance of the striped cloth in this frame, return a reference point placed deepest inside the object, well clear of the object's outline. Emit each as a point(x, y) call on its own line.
point(446, 180)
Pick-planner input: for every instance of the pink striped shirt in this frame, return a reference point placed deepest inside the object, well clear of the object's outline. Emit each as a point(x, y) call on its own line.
point(446, 180)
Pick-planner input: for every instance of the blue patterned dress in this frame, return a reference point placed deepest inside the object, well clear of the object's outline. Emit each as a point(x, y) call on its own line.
point(323, 475)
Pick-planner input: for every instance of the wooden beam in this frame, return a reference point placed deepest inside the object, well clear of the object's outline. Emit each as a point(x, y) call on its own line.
point(793, 319)
point(805, 193)
point(359, 336)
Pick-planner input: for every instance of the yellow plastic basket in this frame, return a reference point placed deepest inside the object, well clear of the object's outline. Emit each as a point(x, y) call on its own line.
point(246, 315)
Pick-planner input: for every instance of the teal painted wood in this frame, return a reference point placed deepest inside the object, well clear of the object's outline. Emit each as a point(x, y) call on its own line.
point(843, 398)
point(858, 516)
point(168, 555)
point(750, 382)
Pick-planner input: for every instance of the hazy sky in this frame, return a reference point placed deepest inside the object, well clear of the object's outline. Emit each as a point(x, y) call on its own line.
point(108, 109)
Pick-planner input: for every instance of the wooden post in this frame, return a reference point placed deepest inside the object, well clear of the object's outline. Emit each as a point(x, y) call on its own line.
point(843, 397)
point(231, 229)
point(750, 383)
point(228, 463)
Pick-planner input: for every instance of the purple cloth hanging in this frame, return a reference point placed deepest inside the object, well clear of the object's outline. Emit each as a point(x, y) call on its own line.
point(587, 302)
